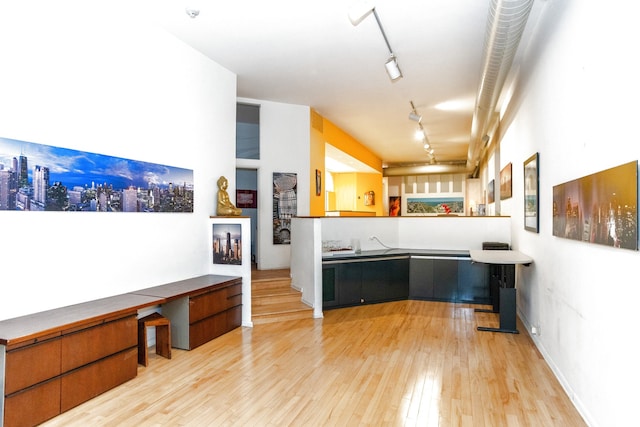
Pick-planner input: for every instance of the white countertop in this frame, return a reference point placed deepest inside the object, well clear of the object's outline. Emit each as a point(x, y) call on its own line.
point(499, 257)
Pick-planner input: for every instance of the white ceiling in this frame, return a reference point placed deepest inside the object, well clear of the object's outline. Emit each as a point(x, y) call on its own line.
point(309, 53)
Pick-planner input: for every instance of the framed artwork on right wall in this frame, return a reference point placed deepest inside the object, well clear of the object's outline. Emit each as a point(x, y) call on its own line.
point(531, 190)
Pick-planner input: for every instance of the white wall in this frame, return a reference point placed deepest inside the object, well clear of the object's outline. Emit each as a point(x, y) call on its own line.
point(450, 233)
point(577, 107)
point(284, 147)
point(99, 79)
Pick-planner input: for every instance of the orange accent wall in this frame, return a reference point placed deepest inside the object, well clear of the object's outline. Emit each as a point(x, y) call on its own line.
point(350, 188)
point(316, 163)
point(345, 142)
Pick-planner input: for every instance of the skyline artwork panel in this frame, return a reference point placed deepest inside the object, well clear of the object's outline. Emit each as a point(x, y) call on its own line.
point(599, 208)
point(38, 177)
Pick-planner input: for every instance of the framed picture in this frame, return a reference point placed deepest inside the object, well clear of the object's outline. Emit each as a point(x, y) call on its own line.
point(531, 189)
point(369, 198)
point(491, 191)
point(505, 182)
point(227, 244)
point(600, 208)
point(247, 199)
point(394, 206)
point(318, 182)
point(285, 206)
point(435, 205)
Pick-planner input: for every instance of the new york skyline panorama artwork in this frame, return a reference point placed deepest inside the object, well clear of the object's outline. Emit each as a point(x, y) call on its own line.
point(37, 177)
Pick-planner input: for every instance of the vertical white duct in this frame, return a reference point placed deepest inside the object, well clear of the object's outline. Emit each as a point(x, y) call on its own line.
point(505, 25)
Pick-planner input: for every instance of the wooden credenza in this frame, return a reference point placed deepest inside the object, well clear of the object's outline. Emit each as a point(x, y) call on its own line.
point(55, 360)
point(200, 309)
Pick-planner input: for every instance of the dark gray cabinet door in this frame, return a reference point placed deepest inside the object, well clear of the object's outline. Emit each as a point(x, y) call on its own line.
point(473, 282)
point(349, 283)
point(445, 279)
point(385, 280)
point(421, 278)
point(329, 288)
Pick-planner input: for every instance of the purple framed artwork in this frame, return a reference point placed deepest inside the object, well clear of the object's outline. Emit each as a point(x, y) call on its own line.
point(247, 199)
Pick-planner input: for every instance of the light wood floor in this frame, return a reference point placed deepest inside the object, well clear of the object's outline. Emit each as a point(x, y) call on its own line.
point(407, 363)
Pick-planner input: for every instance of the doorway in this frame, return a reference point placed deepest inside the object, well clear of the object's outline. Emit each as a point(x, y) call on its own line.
point(247, 179)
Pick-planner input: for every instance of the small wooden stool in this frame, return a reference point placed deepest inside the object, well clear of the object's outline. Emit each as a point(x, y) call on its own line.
point(163, 336)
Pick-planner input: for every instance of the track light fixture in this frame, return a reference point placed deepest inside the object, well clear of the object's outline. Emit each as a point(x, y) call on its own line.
point(413, 115)
point(357, 13)
point(392, 68)
point(421, 135)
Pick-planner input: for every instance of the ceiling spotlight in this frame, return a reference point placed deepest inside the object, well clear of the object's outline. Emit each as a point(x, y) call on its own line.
point(192, 12)
point(392, 68)
point(357, 13)
point(415, 117)
point(426, 147)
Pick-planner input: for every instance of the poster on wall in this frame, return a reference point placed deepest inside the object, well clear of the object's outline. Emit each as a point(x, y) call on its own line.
point(227, 244)
point(394, 206)
point(37, 177)
point(531, 188)
point(437, 206)
point(285, 206)
point(600, 208)
point(491, 191)
point(505, 182)
point(247, 199)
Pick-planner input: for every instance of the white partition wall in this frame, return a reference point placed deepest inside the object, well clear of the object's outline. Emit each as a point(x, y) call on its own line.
point(306, 261)
point(419, 232)
point(244, 269)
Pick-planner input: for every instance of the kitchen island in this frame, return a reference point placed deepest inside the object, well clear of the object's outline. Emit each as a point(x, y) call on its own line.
point(396, 274)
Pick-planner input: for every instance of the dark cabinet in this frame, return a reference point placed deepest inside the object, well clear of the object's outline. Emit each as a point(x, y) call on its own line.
point(433, 278)
point(473, 282)
point(385, 280)
point(364, 281)
point(445, 279)
point(454, 279)
point(341, 284)
point(422, 277)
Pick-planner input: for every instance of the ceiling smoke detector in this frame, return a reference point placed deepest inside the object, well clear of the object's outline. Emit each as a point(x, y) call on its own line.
point(192, 12)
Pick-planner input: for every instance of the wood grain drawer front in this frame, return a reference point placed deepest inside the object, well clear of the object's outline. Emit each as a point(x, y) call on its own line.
point(205, 305)
point(89, 381)
point(91, 344)
point(33, 406)
point(234, 318)
point(214, 326)
point(32, 364)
